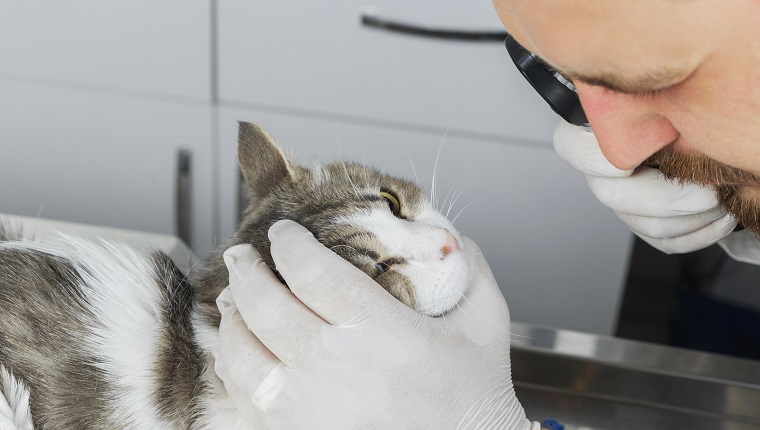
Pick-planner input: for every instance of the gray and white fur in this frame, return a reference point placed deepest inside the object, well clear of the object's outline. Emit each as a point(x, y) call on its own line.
point(97, 335)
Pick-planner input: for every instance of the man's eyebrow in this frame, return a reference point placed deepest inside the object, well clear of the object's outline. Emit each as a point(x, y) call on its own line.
point(650, 81)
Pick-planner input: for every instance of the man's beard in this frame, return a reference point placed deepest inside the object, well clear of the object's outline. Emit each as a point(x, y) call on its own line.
point(738, 191)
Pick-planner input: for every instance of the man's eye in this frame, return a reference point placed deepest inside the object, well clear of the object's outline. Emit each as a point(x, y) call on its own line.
point(645, 94)
point(393, 202)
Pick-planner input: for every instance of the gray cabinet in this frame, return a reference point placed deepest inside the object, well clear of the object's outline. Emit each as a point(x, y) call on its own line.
point(102, 159)
point(96, 101)
point(316, 59)
point(137, 47)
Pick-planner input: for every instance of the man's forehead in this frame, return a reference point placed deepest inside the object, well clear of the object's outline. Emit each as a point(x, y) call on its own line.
point(619, 45)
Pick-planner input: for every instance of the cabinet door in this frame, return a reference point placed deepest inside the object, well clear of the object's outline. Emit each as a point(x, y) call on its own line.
point(316, 59)
point(100, 159)
point(134, 46)
point(559, 255)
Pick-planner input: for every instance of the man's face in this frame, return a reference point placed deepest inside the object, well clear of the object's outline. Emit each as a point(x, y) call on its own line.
point(669, 82)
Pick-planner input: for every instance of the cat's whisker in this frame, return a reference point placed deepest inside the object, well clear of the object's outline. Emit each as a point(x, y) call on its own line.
point(456, 197)
point(414, 172)
point(184, 278)
point(445, 199)
point(427, 309)
point(497, 326)
point(364, 170)
point(356, 191)
point(446, 321)
point(337, 136)
point(434, 197)
point(456, 192)
point(462, 210)
point(435, 307)
point(523, 336)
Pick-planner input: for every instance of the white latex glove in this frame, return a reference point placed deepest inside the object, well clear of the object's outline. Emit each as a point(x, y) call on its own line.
point(336, 351)
point(742, 246)
point(671, 217)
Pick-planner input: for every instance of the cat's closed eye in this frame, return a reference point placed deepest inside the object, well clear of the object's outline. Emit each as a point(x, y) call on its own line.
point(393, 202)
point(383, 266)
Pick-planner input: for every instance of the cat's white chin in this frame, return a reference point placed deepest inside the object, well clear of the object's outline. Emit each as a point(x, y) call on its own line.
point(440, 287)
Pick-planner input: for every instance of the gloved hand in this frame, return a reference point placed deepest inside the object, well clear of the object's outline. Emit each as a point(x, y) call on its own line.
point(671, 217)
point(336, 351)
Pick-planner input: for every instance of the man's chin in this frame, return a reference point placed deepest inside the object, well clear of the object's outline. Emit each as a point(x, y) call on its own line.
point(743, 202)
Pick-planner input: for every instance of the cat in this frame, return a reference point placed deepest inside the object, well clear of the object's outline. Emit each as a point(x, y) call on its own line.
point(96, 335)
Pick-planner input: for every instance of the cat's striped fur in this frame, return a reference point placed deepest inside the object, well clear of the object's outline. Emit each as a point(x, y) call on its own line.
point(97, 335)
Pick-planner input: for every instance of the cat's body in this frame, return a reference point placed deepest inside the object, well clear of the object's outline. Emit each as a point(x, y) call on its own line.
point(99, 335)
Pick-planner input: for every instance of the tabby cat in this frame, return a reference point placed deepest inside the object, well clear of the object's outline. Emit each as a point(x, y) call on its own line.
point(97, 335)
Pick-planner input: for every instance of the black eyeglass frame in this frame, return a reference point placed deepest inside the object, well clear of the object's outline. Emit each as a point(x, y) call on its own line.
point(561, 96)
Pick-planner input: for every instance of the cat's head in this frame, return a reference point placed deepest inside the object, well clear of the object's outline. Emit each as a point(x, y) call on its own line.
point(383, 225)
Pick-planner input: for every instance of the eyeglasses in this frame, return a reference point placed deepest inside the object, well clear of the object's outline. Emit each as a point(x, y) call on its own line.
point(557, 90)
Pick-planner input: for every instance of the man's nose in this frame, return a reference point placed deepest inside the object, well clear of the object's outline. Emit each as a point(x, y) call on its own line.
point(629, 128)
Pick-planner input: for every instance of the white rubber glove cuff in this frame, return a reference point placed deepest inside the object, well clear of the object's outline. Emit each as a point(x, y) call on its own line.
point(742, 246)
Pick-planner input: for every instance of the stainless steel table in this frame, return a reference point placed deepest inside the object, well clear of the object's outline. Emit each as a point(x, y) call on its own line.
point(593, 382)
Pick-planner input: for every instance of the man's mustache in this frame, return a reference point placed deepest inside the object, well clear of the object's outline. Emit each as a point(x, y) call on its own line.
point(695, 168)
point(737, 190)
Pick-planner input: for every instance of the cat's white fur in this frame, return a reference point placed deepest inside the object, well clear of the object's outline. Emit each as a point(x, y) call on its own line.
point(120, 286)
point(436, 277)
point(126, 329)
point(121, 289)
point(14, 403)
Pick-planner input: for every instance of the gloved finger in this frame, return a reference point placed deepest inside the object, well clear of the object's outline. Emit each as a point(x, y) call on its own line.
point(647, 193)
point(244, 405)
point(670, 227)
point(241, 359)
point(699, 239)
point(482, 312)
point(270, 310)
point(329, 285)
point(578, 146)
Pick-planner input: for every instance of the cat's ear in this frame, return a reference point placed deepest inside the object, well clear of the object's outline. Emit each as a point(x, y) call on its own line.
point(262, 161)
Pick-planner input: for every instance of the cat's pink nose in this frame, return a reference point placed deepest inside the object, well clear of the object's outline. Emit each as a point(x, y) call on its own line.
point(451, 245)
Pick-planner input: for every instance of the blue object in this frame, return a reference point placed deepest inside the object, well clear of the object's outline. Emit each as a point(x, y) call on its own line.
point(552, 424)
